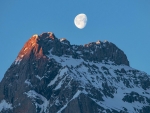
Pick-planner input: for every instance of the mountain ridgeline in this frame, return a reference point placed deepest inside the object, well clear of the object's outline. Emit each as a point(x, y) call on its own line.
point(50, 75)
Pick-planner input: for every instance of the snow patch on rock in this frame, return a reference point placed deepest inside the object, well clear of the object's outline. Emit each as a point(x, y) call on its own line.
point(5, 105)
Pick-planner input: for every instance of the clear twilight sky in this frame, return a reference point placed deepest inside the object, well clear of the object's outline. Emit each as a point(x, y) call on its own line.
point(126, 23)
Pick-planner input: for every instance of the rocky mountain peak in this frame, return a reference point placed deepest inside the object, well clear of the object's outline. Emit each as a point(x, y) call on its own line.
point(41, 45)
point(34, 46)
point(48, 35)
point(65, 41)
point(52, 76)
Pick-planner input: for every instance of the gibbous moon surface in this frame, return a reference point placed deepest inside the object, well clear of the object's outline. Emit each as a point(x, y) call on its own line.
point(80, 21)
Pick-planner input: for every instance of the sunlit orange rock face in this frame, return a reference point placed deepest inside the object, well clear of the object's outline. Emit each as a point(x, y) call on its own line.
point(33, 47)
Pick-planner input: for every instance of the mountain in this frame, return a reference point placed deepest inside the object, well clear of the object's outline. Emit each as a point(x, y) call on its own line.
point(50, 75)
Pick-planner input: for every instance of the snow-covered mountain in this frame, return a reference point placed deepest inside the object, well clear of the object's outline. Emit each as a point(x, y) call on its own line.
point(52, 76)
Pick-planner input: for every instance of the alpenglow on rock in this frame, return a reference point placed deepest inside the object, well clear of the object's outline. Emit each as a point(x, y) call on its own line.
point(50, 75)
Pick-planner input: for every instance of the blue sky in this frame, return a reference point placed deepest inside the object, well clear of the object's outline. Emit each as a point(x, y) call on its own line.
point(125, 23)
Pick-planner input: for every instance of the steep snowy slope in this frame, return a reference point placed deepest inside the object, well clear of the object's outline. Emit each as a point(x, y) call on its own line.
point(51, 76)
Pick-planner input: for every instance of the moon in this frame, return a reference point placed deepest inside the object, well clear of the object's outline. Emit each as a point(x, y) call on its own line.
point(80, 21)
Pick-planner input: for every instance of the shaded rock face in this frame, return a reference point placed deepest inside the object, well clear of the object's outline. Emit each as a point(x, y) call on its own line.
point(50, 75)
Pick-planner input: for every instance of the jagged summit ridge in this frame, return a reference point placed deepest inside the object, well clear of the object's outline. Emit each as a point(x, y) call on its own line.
point(94, 51)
